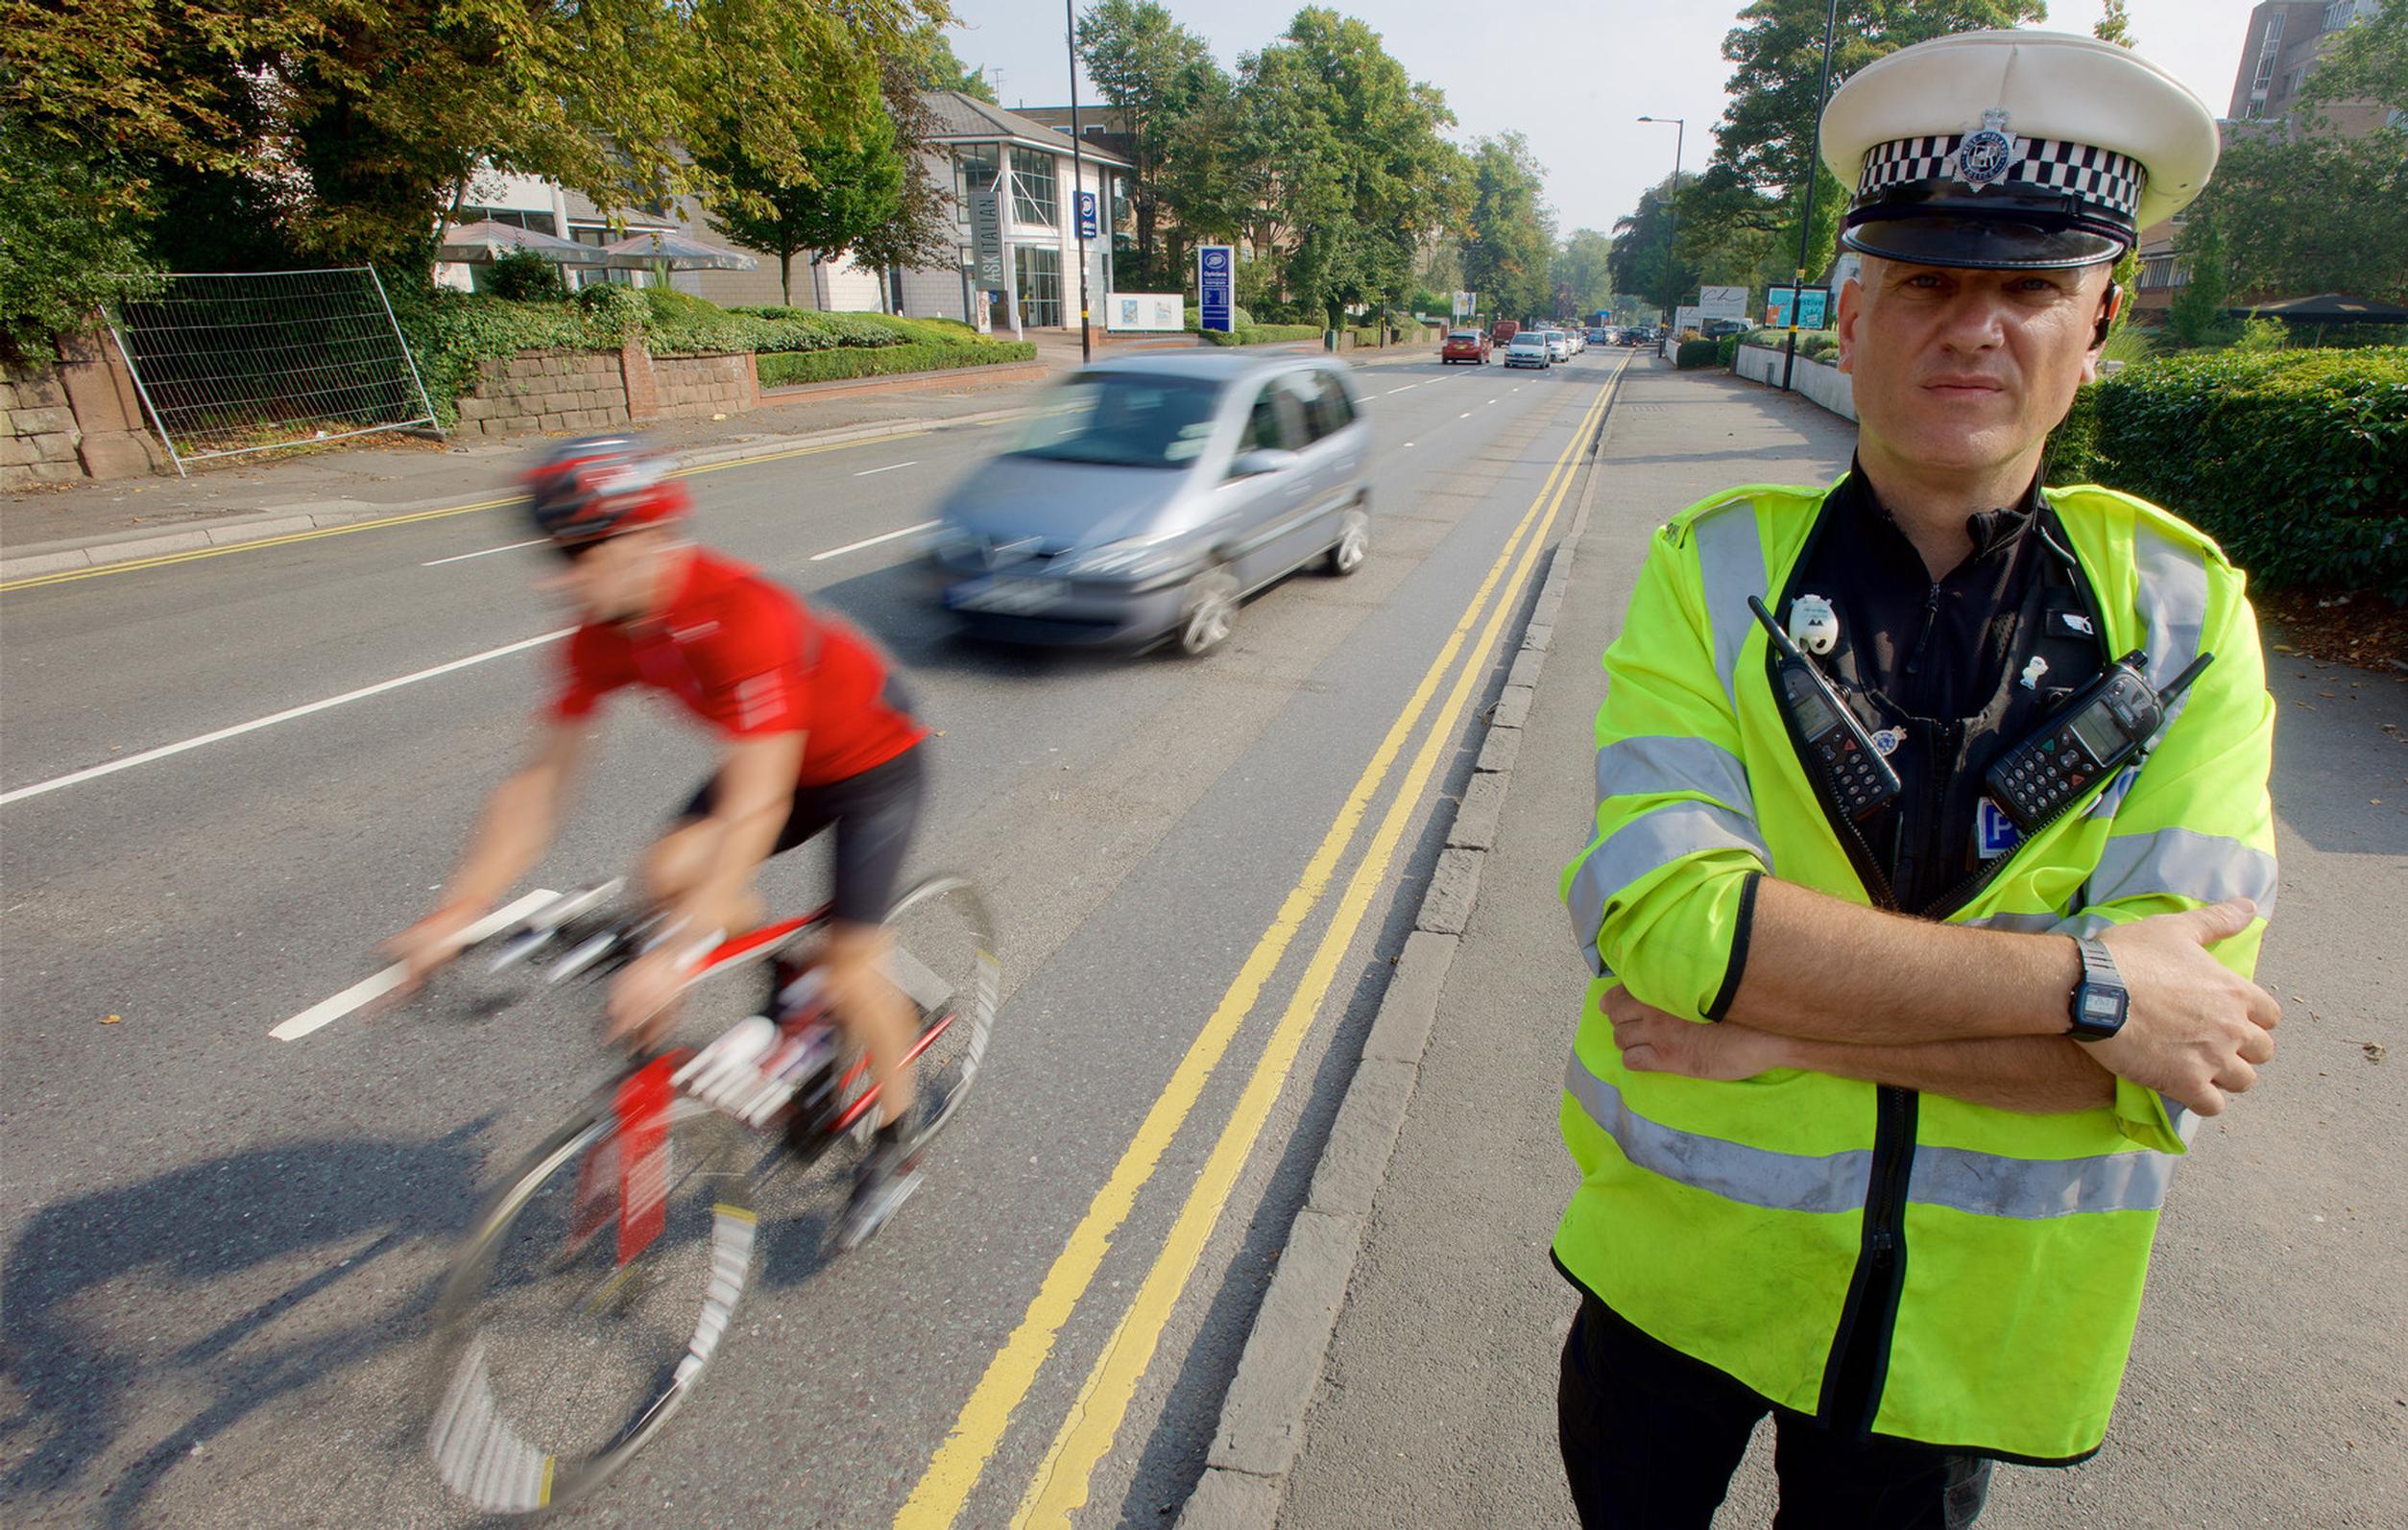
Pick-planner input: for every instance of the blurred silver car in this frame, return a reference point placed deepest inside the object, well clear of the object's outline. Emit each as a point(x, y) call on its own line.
point(1149, 496)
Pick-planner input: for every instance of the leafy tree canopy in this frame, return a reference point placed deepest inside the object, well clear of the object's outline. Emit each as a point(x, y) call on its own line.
point(1511, 243)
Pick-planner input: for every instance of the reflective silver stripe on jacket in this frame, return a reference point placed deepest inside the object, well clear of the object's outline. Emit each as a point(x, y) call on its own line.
point(1962, 1178)
point(1651, 766)
point(2186, 863)
point(2172, 598)
point(1779, 1182)
point(1654, 839)
point(1730, 568)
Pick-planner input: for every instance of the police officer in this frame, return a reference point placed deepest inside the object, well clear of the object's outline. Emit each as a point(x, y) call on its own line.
point(1878, 1087)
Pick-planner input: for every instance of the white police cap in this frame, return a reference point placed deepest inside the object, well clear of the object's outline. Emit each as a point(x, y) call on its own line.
point(2013, 149)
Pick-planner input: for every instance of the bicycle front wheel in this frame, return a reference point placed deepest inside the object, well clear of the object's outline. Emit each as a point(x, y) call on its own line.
point(570, 1332)
point(943, 961)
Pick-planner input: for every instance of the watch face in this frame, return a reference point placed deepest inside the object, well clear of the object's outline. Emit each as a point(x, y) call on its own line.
point(2102, 1006)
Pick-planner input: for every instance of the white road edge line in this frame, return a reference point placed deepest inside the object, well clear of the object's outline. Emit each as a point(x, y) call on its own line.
point(889, 469)
point(869, 541)
point(77, 778)
point(327, 1012)
point(459, 558)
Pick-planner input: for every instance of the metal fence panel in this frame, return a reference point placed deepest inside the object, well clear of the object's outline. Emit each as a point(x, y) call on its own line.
point(253, 361)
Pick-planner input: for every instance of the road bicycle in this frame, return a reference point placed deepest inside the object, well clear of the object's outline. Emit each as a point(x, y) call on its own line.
point(593, 1291)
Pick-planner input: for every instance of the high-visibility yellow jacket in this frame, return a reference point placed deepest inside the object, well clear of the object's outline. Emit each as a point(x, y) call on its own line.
point(1745, 1224)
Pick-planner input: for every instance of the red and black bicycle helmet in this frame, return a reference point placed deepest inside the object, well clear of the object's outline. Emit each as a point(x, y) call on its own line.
point(582, 491)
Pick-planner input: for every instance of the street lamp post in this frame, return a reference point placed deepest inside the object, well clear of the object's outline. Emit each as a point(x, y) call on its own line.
point(1806, 218)
point(1079, 182)
point(1671, 223)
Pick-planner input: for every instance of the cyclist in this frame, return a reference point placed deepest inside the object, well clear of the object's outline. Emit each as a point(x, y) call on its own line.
point(815, 733)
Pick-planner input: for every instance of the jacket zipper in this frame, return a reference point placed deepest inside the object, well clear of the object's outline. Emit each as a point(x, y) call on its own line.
point(1860, 1351)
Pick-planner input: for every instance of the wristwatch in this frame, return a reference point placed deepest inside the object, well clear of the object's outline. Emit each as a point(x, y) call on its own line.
point(2100, 1002)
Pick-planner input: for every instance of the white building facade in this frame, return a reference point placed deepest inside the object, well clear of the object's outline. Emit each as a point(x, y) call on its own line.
point(973, 145)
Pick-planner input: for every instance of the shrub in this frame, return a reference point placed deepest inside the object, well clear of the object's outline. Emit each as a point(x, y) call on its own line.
point(67, 246)
point(1263, 335)
point(2297, 461)
point(1239, 316)
point(1726, 350)
point(1693, 352)
point(2262, 334)
point(524, 276)
point(449, 332)
point(784, 368)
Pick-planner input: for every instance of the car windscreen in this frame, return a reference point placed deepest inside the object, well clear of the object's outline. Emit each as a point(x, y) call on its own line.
point(1465, 335)
point(1122, 419)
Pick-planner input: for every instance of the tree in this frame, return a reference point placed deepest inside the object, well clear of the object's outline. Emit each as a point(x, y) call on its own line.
point(2196, 316)
point(1765, 144)
point(854, 189)
point(1509, 245)
point(1643, 244)
point(944, 70)
point(2369, 61)
point(1160, 75)
point(2318, 213)
point(1583, 276)
point(2114, 25)
point(342, 131)
point(1343, 165)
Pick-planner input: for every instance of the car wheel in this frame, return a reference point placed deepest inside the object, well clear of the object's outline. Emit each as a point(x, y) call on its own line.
point(1211, 606)
point(1353, 545)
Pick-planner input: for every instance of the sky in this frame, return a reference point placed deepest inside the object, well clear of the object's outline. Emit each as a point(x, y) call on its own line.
point(1570, 74)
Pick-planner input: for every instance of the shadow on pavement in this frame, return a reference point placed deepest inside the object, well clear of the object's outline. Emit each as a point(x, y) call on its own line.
point(77, 1376)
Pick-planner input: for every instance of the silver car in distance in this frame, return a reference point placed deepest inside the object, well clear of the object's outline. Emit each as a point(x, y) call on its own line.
point(1149, 496)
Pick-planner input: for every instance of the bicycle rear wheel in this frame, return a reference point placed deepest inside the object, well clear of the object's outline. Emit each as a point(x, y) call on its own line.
point(945, 962)
point(563, 1342)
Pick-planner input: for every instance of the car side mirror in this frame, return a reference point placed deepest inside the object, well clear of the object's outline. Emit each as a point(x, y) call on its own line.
point(1260, 460)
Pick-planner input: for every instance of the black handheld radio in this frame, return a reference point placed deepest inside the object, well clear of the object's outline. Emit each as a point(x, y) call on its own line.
point(2090, 736)
point(1860, 779)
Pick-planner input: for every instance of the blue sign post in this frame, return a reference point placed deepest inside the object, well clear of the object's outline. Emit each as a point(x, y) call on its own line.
point(1088, 226)
point(1215, 287)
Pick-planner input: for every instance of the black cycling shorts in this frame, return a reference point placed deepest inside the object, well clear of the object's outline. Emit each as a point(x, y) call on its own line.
point(874, 815)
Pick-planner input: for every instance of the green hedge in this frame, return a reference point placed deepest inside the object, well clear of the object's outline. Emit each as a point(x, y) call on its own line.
point(1690, 353)
point(1263, 334)
point(449, 332)
point(2295, 461)
point(784, 368)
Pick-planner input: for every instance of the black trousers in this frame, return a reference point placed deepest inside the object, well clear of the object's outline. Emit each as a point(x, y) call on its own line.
point(1651, 1438)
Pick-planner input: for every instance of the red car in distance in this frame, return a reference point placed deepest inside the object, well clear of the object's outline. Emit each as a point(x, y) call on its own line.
point(1465, 345)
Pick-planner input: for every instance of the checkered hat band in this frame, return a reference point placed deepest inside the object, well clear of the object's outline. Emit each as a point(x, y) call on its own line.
point(2094, 175)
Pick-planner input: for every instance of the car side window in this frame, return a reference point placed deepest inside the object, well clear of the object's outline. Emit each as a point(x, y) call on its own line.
point(1268, 425)
point(1330, 410)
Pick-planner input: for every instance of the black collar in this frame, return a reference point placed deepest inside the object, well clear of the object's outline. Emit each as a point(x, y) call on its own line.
point(1994, 533)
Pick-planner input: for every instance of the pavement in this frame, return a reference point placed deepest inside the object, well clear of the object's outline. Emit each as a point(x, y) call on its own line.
point(226, 778)
point(2265, 1386)
point(231, 499)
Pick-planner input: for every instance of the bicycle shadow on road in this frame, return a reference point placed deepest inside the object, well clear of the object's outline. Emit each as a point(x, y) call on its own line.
point(88, 1364)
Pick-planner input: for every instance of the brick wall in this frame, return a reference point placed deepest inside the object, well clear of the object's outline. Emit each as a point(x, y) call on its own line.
point(703, 386)
point(538, 391)
point(72, 418)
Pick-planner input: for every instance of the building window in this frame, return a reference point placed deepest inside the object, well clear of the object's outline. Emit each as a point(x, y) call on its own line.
point(1035, 198)
point(1039, 273)
point(516, 217)
point(974, 170)
point(2340, 13)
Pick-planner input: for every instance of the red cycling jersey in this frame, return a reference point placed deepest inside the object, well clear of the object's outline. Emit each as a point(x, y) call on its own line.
point(746, 657)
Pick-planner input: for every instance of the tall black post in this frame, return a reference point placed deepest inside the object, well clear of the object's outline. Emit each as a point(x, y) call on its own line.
point(1079, 178)
point(1806, 220)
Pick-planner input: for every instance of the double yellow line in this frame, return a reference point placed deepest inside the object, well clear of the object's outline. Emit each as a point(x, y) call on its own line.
point(1060, 1486)
point(382, 522)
